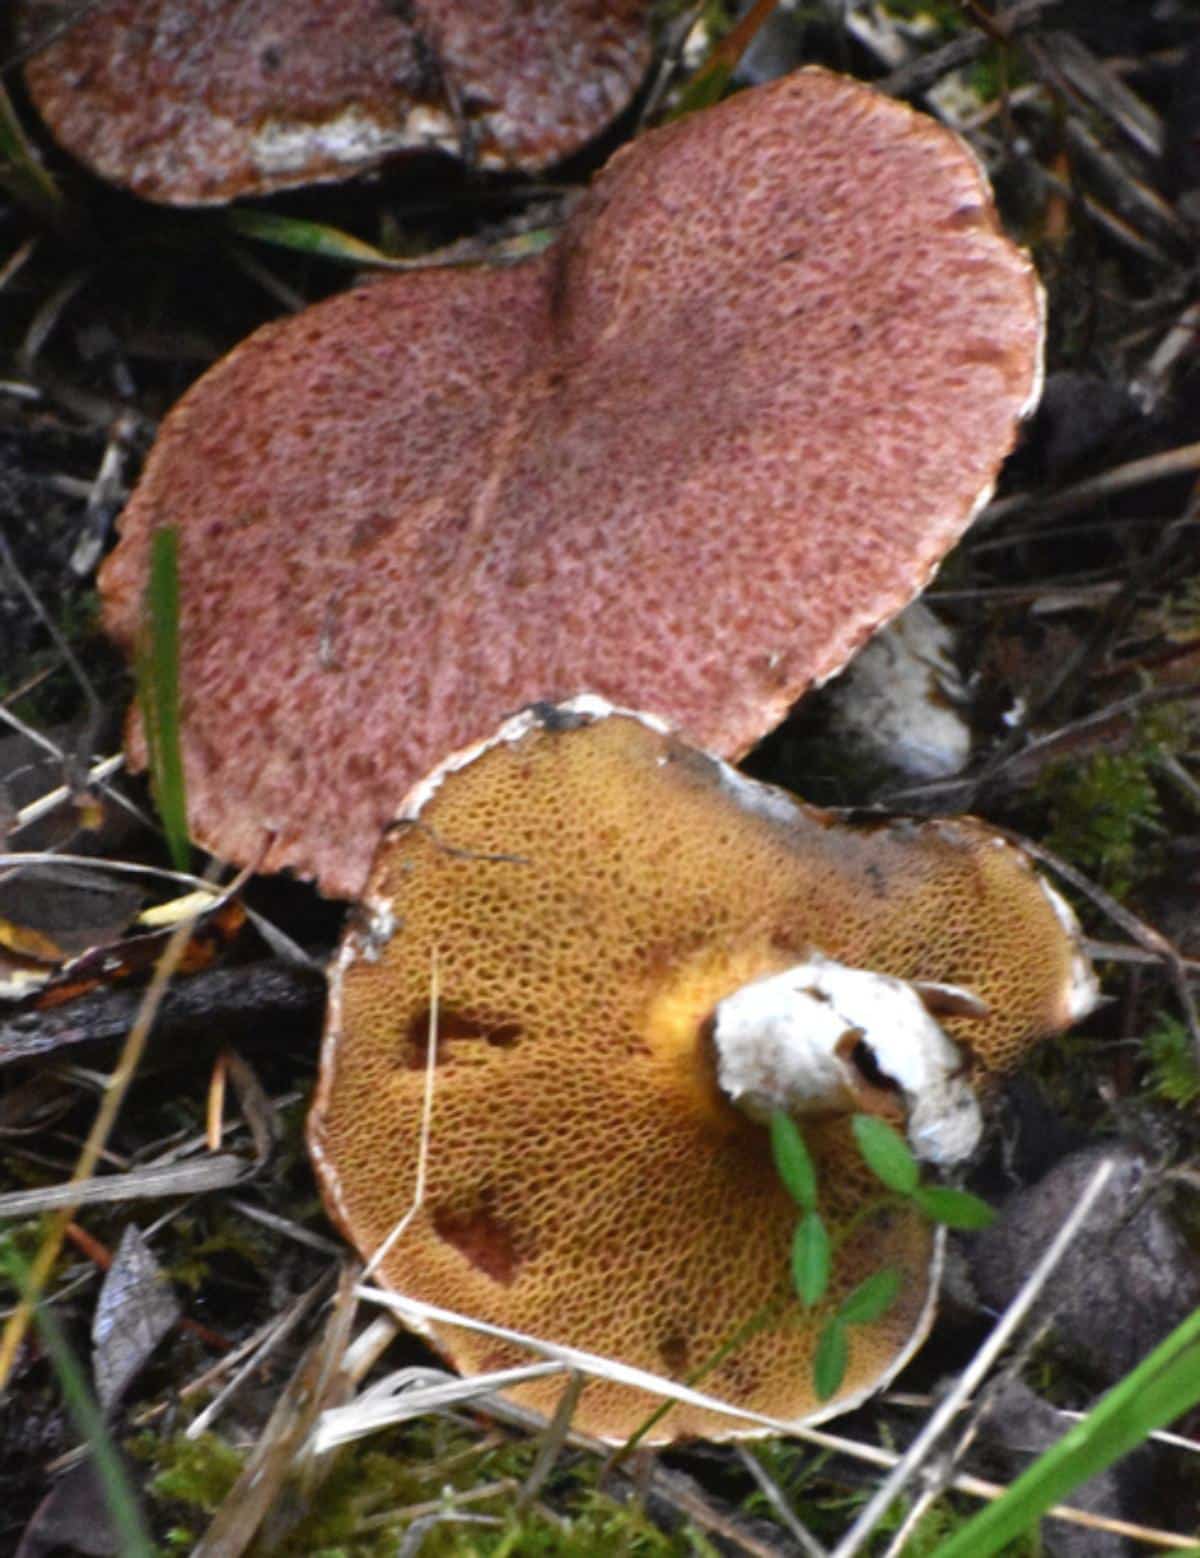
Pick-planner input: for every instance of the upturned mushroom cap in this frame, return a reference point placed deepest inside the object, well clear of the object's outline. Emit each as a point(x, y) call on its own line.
point(192, 101)
point(595, 892)
point(689, 458)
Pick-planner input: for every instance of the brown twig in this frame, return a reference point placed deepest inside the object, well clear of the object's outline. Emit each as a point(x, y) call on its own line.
point(1121, 478)
point(999, 28)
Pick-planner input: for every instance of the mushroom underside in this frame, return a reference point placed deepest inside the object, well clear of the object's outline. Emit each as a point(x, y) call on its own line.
point(590, 889)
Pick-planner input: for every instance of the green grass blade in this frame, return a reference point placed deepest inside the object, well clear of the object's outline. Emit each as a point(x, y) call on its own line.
point(711, 81)
point(21, 173)
point(707, 86)
point(316, 238)
point(158, 691)
point(1162, 1387)
point(118, 1494)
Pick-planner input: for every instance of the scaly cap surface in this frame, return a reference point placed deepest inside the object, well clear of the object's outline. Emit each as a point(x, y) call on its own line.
point(689, 458)
point(199, 101)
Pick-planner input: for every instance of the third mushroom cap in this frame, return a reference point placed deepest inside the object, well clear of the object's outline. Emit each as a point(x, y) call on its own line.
point(638, 953)
point(200, 101)
point(690, 457)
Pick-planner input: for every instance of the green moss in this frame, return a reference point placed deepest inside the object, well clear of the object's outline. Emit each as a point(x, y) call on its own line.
point(1176, 616)
point(799, 1474)
point(436, 1468)
point(991, 75)
point(825, 1507)
point(944, 1520)
point(190, 1477)
point(1174, 1074)
point(216, 1234)
point(1105, 812)
point(58, 698)
point(373, 1491)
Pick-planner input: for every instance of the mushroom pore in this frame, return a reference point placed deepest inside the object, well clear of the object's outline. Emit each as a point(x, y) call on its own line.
point(599, 896)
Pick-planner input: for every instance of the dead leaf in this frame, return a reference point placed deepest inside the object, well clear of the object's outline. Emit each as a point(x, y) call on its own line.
point(135, 1310)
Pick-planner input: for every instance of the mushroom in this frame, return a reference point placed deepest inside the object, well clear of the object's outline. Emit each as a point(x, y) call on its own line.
point(192, 102)
point(689, 458)
point(638, 952)
point(900, 703)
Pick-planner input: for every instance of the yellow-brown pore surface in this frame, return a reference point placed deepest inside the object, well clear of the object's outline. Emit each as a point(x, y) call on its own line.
point(591, 893)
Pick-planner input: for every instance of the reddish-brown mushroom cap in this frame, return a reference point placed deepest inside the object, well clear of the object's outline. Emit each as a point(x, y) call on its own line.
point(689, 458)
point(596, 894)
point(191, 101)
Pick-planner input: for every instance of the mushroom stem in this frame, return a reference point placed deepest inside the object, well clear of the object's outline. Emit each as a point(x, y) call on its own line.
point(822, 1038)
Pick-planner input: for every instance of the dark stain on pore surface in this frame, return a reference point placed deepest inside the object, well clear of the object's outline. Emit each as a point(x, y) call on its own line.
point(454, 1028)
point(482, 1237)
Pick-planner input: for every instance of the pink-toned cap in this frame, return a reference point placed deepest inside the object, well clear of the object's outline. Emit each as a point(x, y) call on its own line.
point(197, 101)
point(688, 458)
